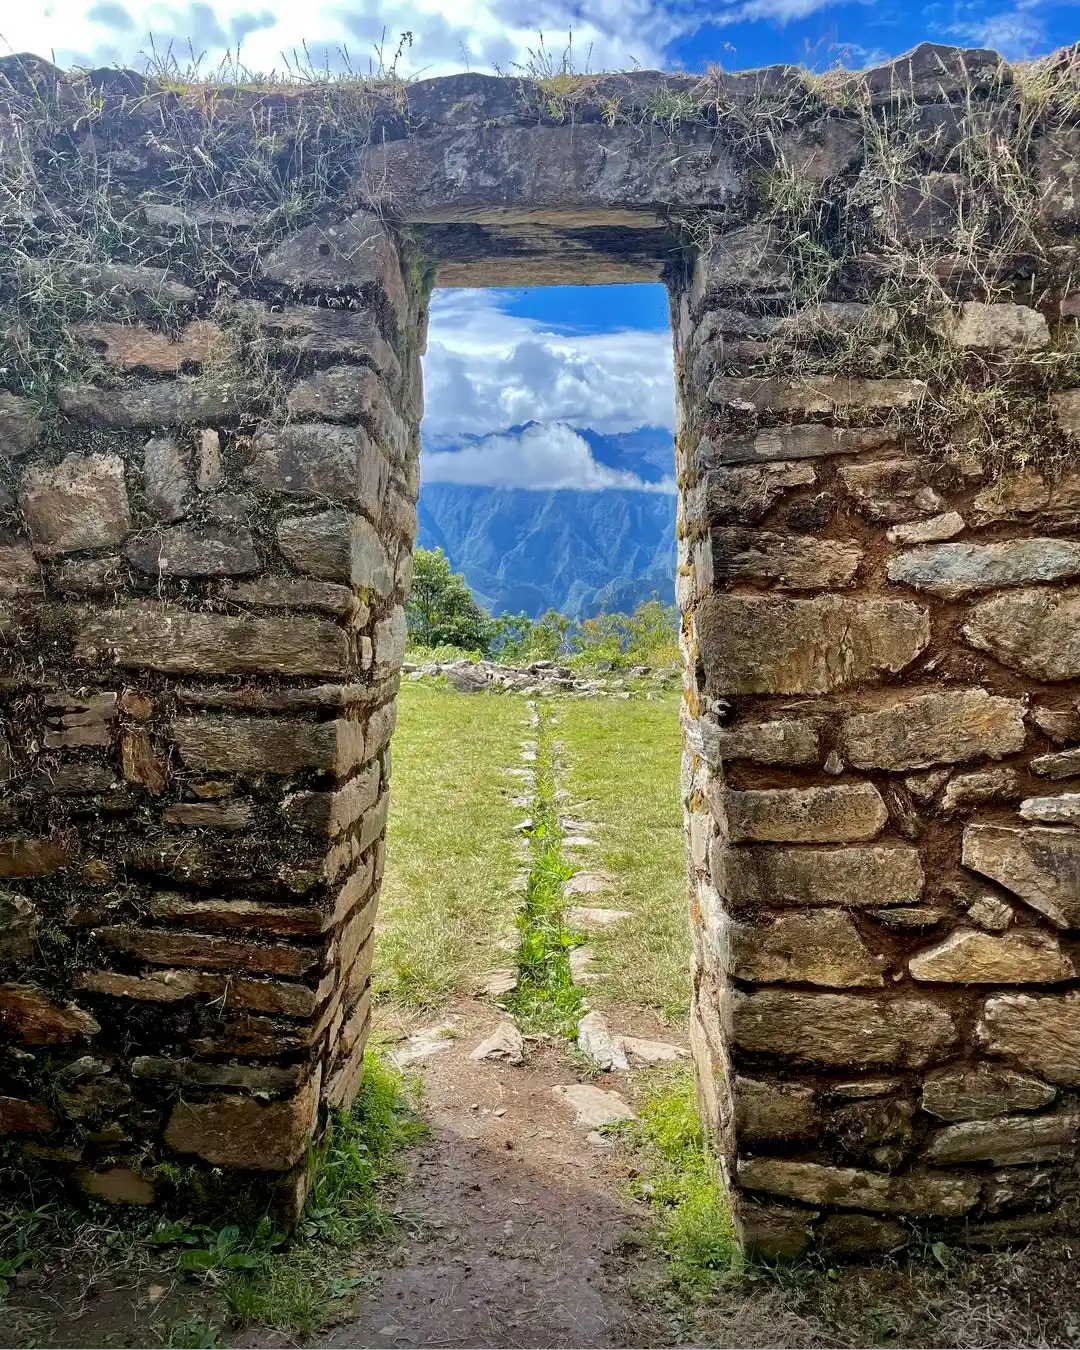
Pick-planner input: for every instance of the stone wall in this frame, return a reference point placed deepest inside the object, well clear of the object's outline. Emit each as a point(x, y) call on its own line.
point(202, 632)
point(213, 310)
point(879, 504)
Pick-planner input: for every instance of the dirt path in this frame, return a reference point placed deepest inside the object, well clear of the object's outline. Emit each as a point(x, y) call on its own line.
point(522, 1218)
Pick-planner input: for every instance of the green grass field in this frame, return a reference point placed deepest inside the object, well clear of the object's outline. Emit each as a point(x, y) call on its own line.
point(620, 764)
point(447, 896)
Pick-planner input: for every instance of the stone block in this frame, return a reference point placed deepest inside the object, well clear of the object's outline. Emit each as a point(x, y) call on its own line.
point(257, 745)
point(1006, 1142)
point(1041, 866)
point(754, 878)
point(892, 490)
point(260, 1079)
point(974, 789)
point(117, 281)
point(742, 495)
point(20, 426)
point(766, 645)
point(839, 1030)
point(945, 526)
point(785, 741)
point(229, 815)
point(18, 1116)
point(135, 347)
point(748, 261)
point(273, 997)
point(389, 640)
point(1040, 1034)
point(116, 1185)
point(1022, 956)
point(81, 503)
point(20, 574)
point(354, 254)
point(1034, 631)
point(1057, 175)
point(350, 394)
point(789, 561)
point(774, 1111)
point(926, 729)
point(995, 327)
point(165, 947)
point(142, 766)
point(820, 948)
point(320, 459)
point(550, 174)
point(817, 395)
point(788, 443)
point(772, 1232)
point(24, 856)
point(337, 546)
point(920, 1194)
point(1063, 764)
point(19, 921)
point(166, 478)
point(178, 641)
point(297, 593)
point(1028, 493)
point(953, 571)
point(169, 403)
point(817, 815)
point(1063, 809)
point(242, 916)
point(859, 1235)
point(32, 1017)
point(330, 813)
point(317, 331)
point(982, 1091)
point(244, 1133)
point(194, 551)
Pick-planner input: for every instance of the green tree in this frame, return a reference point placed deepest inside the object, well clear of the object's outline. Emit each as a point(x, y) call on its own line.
point(441, 609)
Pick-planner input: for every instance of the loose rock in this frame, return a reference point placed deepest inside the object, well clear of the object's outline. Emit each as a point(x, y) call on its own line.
point(594, 1108)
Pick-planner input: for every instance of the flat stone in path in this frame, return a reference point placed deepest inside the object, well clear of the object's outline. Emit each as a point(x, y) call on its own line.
point(598, 1045)
point(424, 1043)
point(593, 1106)
point(652, 1052)
point(586, 918)
point(587, 883)
point(505, 1043)
point(499, 983)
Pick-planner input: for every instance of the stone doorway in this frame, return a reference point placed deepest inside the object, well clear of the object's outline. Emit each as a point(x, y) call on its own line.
point(209, 476)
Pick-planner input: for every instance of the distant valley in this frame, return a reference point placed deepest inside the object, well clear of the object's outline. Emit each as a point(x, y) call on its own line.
point(578, 551)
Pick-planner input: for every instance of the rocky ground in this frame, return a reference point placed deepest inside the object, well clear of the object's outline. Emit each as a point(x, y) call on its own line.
point(546, 677)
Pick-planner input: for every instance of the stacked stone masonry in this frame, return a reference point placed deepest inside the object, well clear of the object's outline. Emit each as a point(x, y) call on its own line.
point(205, 550)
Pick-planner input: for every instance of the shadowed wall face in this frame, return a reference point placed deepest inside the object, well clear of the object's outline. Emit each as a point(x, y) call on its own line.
point(207, 547)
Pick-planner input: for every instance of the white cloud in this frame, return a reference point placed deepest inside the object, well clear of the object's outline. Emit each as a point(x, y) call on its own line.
point(486, 370)
point(447, 35)
point(540, 457)
point(1017, 31)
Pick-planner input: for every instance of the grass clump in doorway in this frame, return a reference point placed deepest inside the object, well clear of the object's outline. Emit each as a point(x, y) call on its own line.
point(302, 1286)
point(677, 1175)
point(547, 998)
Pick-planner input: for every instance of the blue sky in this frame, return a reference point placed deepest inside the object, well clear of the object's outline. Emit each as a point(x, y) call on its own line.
point(562, 358)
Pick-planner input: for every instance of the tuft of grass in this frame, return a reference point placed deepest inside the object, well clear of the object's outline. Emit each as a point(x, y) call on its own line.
point(680, 1179)
point(300, 1286)
point(447, 895)
point(547, 998)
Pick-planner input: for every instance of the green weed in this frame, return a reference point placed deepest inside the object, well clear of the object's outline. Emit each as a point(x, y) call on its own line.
point(547, 998)
point(681, 1182)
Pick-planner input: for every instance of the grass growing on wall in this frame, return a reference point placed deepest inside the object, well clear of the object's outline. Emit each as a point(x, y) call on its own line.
point(453, 850)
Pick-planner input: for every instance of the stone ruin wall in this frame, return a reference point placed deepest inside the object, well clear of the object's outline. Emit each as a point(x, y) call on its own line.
point(207, 498)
